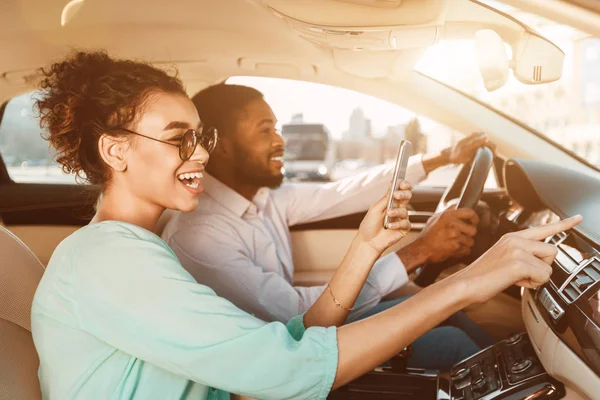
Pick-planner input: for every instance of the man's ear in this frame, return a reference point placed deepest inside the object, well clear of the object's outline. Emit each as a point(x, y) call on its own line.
point(224, 148)
point(113, 150)
point(221, 156)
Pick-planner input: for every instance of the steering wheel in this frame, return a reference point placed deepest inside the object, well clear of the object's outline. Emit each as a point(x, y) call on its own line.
point(467, 187)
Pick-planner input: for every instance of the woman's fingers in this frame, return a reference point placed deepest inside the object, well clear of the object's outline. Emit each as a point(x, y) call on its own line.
point(537, 272)
point(400, 212)
point(544, 231)
point(404, 185)
point(403, 224)
point(401, 196)
point(543, 251)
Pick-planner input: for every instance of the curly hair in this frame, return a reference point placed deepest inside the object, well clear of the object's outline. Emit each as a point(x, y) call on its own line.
point(89, 94)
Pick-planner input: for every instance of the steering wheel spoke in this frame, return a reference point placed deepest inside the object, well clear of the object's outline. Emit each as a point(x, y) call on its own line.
point(467, 188)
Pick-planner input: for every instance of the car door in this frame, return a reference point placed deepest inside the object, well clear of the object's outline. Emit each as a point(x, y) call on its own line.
point(38, 202)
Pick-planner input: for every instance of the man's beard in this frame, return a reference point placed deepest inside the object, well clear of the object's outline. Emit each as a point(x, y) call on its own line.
point(261, 180)
point(252, 172)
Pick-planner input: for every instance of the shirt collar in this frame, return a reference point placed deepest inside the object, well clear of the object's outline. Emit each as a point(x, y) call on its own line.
point(231, 199)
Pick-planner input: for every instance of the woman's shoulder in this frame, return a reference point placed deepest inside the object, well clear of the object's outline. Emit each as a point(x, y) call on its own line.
point(113, 230)
point(110, 238)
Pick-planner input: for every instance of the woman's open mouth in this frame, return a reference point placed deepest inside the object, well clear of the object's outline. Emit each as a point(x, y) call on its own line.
point(191, 181)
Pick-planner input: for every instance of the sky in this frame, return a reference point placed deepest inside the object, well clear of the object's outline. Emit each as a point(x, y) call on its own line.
point(325, 104)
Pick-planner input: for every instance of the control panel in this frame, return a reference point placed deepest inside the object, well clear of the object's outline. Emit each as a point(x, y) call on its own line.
point(509, 368)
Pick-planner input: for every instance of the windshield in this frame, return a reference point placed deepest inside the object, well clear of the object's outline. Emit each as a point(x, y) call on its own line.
point(304, 142)
point(304, 147)
point(566, 111)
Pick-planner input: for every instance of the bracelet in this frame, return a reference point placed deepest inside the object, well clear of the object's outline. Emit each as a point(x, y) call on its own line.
point(337, 303)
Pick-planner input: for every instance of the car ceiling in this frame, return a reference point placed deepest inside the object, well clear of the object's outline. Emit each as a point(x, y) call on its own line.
point(209, 41)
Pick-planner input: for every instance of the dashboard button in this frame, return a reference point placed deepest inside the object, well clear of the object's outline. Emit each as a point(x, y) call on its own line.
point(547, 301)
point(520, 366)
point(583, 282)
point(513, 339)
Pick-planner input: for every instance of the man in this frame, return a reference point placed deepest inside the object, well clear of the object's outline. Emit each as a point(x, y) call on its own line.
point(238, 241)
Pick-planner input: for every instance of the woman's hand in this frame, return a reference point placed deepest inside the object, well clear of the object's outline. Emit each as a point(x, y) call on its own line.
point(371, 229)
point(336, 302)
point(518, 258)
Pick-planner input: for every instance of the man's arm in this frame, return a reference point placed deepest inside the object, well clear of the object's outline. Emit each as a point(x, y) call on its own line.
point(315, 202)
point(309, 202)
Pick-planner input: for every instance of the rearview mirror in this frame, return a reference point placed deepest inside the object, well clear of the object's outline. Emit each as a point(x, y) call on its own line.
point(491, 59)
point(537, 60)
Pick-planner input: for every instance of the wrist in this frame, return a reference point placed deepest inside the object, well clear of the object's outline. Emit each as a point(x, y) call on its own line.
point(461, 290)
point(365, 249)
point(414, 254)
point(436, 160)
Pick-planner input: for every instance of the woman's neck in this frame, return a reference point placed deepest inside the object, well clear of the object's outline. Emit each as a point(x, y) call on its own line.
point(125, 207)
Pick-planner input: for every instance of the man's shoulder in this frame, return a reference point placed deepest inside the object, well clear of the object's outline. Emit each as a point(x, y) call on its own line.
point(288, 191)
point(208, 216)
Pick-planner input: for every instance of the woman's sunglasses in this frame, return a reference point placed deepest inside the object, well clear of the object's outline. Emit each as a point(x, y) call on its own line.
point(191, 138)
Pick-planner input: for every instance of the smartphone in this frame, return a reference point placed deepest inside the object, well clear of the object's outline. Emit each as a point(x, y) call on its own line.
point(404, 152)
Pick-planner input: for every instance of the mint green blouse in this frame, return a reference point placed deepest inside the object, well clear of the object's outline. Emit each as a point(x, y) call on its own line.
point(117, 317)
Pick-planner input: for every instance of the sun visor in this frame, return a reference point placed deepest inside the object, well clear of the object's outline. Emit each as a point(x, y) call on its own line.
point(361, 13)
point(370, 25)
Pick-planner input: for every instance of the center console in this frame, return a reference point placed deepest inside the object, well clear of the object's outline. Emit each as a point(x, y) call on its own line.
point(508, 370)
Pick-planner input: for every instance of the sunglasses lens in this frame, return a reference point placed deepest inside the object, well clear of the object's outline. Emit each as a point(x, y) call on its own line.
point(208, 140)
point(188, 145)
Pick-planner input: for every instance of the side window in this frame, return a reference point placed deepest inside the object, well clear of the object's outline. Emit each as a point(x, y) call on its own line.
point(331, 133)
point(25, 153)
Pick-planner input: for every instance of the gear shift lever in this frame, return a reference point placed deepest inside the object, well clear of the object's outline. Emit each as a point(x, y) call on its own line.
point(400, 360)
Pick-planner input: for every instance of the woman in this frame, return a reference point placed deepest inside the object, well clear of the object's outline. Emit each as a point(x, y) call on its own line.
point(116, 316)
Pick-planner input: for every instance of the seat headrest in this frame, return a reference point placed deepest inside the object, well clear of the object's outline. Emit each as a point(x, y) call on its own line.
point(20, 274)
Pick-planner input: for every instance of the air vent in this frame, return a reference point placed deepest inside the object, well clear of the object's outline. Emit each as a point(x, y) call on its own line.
point(585, 278)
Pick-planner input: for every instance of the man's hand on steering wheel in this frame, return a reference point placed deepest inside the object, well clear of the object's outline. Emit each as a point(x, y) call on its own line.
point(449, 234)
point(464, 151)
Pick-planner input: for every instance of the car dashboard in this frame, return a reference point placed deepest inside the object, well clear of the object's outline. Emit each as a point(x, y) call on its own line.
point(559, 356)
point(563, 316)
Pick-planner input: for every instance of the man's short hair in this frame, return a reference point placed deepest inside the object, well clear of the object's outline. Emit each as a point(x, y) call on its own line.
point(221, 105)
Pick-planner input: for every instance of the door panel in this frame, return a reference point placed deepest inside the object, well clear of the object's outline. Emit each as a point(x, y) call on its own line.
point(42, 215)
point(318, 253)
point(47, 204)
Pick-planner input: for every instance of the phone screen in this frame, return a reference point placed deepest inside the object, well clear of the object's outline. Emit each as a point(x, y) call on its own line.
point(404, 153)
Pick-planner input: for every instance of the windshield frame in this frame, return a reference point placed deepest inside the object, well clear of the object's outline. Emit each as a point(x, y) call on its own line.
point(515, 121)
